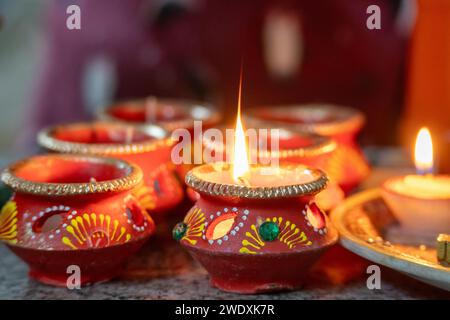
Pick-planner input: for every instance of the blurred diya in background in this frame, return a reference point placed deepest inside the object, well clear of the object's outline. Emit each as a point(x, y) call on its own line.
point(255, 228)
point(73, 210)
point(346, 165)
point(170, 114)
point(148, 147)
point(290, 147)
point(421, 202)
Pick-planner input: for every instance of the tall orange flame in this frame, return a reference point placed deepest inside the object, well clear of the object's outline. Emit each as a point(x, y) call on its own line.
point(240, 155)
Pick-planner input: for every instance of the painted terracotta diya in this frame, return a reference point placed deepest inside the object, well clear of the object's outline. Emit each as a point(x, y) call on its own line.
point(347, 164)
point(257, 235)
point(421, 202)
point(293, 147)
point(71, 210)
point(148, 147)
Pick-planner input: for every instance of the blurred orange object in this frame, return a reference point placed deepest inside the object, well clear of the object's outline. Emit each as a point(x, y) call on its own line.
point(428, 94)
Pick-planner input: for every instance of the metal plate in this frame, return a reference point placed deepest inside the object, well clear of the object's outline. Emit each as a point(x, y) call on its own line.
point(368, 228)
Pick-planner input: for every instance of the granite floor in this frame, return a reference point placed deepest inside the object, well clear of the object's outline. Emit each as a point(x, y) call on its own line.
point(170, 273)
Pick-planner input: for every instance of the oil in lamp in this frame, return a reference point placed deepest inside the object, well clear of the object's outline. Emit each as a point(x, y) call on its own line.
point(421, 202)
point(255, 228)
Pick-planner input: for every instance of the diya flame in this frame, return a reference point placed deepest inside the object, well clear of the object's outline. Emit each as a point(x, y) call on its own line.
point(240, 155)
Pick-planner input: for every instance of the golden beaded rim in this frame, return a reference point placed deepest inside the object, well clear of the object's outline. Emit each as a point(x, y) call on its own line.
point(46, 140)
point(249, 192)
point(320, 145)
point(190, 108)
point(347, 119)
point(132, 178)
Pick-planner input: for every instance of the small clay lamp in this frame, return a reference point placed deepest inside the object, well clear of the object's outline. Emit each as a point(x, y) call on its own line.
point(421, 202)
point(255, 228)
point(347, 165)
point(292, 147)
point(170, 114)
point(257, 236)
point(148, 147)
point(73, 210)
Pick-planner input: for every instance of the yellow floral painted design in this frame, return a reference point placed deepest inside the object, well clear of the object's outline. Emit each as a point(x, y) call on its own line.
point(94, 231)
point(290, 235)
point(146, 197)
point(8, 222)
point(195, 221)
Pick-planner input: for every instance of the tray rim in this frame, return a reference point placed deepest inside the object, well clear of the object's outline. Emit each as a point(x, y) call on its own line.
point(419, 269)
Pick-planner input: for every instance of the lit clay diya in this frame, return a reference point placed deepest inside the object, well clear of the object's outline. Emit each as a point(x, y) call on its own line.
point(293, 147)
point(148, 147)
point(347, 165)
point(73, 211)
point(257, 236)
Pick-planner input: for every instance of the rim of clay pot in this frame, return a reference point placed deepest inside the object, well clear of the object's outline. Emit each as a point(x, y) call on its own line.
point(157, 137)
point(132, 176)
point(344, 118)
point(193, 110)
point(320, 145)
point(228, 190)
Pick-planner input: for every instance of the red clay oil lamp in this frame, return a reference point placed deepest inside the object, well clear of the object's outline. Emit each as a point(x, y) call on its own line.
point(347, 165)
point(148, 147)
point(170, 114)
point(73, 210)
point(421, 202)
point(255, 228)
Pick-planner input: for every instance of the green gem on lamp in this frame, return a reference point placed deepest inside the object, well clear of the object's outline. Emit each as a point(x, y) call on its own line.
point(269, 231)
point(179, 231)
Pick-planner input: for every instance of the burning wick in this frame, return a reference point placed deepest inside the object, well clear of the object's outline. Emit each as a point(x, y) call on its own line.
point(150, 110)
point(240, 156)
point(423, 152)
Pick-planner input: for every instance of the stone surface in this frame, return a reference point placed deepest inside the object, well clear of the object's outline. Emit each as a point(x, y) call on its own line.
point(169, 273)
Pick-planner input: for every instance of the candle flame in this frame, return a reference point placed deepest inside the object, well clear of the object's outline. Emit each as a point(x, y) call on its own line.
point(240, 156)
point(423, 152)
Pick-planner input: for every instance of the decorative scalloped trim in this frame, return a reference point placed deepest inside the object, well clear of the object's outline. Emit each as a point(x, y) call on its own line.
point(132, 178)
